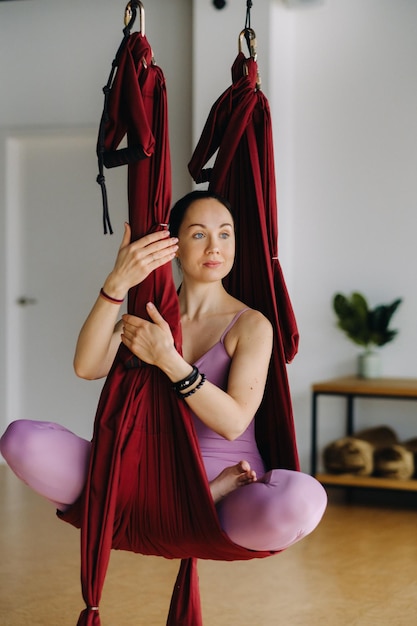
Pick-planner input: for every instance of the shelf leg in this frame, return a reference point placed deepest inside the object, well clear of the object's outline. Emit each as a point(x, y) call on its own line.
point(349, 415)
point(314, 434)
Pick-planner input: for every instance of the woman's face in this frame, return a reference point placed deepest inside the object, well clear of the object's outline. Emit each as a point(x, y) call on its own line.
point(206, 247)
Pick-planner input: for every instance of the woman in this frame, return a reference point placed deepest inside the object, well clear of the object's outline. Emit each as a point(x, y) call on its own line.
point(229, 342)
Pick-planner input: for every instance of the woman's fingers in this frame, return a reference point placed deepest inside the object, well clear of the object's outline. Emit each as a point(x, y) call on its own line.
point(154, 250)
point(147, 339)
point(158, 257)
point(133, 322)
point(136, 260)
point(158, 235)
point(155, 247)
point(155, 316)
point(126, 236)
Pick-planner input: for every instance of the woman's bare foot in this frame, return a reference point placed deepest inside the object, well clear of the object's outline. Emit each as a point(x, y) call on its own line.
point(231, 478)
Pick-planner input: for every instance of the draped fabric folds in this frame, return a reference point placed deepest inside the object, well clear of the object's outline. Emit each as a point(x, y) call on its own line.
point(239, 128)
point(147, 491)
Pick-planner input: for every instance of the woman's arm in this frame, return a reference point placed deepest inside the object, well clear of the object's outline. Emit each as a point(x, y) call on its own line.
point(227, 413)
point(100, 335)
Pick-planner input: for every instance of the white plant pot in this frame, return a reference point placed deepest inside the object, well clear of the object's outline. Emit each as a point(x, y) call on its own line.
point(369, 365)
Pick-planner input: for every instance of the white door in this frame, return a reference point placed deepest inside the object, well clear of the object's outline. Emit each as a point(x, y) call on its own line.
point(57, 258)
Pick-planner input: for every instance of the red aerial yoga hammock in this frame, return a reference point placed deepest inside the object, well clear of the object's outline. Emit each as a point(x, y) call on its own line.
point(147, 490)
point(239, 127)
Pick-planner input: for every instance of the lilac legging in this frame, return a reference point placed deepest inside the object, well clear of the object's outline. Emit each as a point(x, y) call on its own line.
point(279, 509)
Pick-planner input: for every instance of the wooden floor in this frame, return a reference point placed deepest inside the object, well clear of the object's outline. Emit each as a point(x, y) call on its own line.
point(358, 568)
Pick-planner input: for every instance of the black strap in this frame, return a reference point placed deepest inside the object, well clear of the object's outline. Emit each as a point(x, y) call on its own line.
point(113, 158)
point(101, 134)
point(249, 5)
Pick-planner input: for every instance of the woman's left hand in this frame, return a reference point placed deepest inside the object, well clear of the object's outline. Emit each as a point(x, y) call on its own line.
point(150, 341)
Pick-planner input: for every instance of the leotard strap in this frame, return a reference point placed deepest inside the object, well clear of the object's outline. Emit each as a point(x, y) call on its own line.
point(234, 320)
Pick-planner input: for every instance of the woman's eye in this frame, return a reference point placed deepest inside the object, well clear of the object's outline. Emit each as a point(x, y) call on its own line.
point(198, 235)
point(224, 235)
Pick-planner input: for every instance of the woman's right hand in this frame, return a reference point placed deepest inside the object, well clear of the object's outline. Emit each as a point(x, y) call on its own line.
point(135, 261)
point(100, 335)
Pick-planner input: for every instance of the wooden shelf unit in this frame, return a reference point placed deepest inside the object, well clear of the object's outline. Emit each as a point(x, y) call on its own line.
point(352, 387)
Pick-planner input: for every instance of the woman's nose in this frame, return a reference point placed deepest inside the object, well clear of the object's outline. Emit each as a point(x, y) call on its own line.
point(212, 247)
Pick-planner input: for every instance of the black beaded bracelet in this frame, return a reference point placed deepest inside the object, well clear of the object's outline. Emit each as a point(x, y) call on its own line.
point(182, 385)
point(200, 384)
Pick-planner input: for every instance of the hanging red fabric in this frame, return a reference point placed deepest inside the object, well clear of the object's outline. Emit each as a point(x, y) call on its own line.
point(239, 127)
point(147, 489)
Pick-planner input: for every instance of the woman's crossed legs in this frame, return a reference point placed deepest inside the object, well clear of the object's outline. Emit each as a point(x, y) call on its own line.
point(271, 513)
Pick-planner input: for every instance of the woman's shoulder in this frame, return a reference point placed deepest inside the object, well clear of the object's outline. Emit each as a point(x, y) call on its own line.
point(254, 319)
point(250, 331)
point(248, 320)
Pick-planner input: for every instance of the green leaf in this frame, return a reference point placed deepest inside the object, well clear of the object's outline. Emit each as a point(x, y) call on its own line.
point(362, 325)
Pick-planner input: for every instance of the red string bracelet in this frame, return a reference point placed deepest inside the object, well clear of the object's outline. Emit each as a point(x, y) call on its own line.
point(104, 295)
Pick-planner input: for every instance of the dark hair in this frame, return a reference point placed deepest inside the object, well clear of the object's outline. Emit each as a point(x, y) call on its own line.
point(180, 208)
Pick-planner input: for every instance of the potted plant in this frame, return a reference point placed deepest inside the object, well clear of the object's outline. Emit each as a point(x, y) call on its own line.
point(366, 327)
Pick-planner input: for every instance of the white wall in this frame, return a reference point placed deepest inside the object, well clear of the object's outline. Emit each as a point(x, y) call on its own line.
point(346, 135)
point(340, 76)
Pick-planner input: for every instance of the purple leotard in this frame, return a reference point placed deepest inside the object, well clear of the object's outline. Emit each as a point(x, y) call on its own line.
point(218, 452)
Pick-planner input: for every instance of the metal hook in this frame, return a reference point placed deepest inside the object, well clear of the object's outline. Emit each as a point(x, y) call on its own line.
point(250, 36)
point(130, 15)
